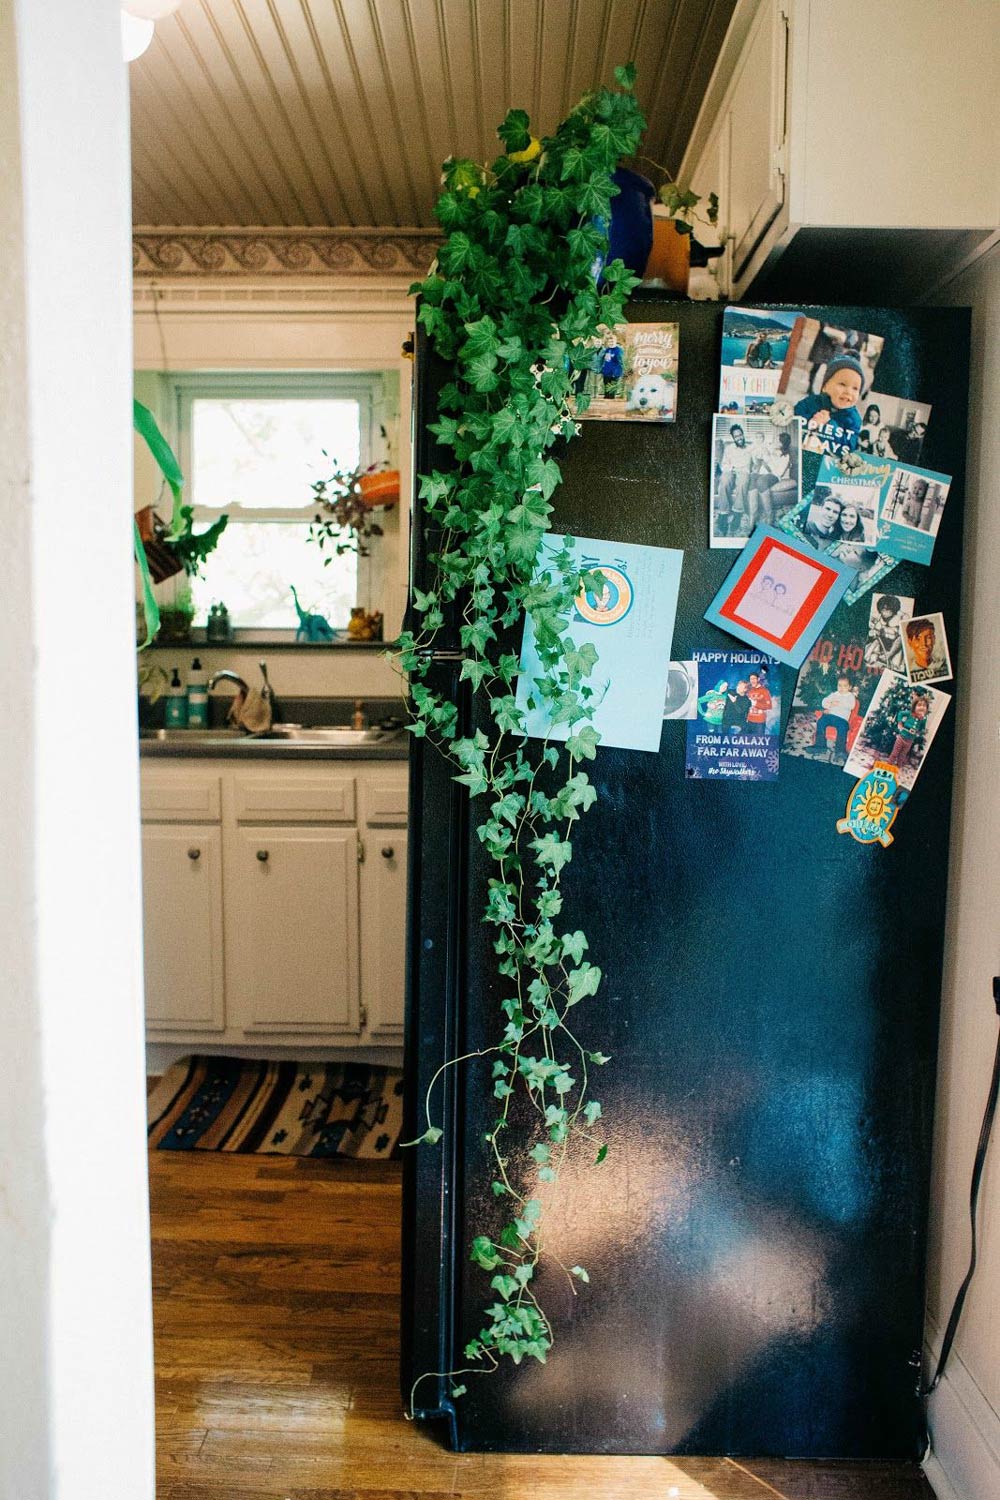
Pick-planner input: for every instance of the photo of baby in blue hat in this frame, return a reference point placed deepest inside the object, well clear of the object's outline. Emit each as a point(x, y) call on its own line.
point(828, 372)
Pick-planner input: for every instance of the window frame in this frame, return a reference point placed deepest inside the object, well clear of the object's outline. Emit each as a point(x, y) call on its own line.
point(367, 387)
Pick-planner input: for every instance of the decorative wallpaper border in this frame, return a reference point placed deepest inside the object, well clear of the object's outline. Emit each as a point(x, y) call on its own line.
point(283, 252)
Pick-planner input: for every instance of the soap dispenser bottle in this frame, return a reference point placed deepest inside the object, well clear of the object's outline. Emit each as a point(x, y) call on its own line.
point(176, 709)
point(197, 696)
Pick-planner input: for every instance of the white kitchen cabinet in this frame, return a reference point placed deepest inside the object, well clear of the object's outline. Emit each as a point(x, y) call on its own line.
point(182, 925)
point(853, 147)
point(274, 920)
point(292, 930)
point(383, 962)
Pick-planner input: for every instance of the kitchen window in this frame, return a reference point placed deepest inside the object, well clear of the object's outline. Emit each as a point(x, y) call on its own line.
point(252, 446)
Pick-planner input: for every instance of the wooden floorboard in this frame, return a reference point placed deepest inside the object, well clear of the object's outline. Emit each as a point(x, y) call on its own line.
point(276, 1292)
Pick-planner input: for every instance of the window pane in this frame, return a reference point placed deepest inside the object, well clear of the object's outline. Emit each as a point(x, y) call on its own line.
point(268, 452)
point(255, 564)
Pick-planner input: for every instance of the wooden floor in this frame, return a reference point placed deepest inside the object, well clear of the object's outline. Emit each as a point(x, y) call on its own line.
point(276, 1286)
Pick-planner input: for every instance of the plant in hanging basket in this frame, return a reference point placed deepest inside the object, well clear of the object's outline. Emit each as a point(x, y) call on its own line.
point(346, 498)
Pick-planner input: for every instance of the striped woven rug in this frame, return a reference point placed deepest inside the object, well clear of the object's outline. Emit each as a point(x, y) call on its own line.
point(289, 1108)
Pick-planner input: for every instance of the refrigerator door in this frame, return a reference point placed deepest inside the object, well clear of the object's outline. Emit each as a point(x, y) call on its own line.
point(756, 1236)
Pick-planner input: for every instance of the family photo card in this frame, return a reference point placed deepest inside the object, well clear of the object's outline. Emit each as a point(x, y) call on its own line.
point(632, 375)
point(754, 344)
point(734, 733)
point(756, 476)
point(893, 427)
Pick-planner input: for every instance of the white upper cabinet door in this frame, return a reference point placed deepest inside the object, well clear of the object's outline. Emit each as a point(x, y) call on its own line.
point(292, 930)
point(383, 932)
point(756, 119)
point(182, 906)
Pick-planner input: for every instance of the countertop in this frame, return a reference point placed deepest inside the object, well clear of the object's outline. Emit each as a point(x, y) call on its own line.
point(395, 747)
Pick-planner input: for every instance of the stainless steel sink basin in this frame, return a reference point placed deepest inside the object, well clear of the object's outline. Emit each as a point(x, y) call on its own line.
point(335, 735)
point(332, 734)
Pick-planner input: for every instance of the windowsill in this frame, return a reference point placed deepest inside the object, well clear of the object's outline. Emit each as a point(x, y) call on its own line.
point(274, 640)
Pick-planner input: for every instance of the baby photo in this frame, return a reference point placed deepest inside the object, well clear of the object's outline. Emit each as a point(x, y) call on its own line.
point(632, 375)
point(827, 374)
point(755, 477)
point(893, 427)
point(912, 507)
point(898, 728)
point(925, 646)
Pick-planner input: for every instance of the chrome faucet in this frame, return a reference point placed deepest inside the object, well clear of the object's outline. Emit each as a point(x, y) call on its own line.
point(242, 691)
point(226, 676)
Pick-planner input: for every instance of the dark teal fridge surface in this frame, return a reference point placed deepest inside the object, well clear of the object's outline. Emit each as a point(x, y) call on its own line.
point(756, 1237)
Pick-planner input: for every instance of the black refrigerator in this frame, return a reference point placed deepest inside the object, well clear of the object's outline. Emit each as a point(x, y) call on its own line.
point(756, 1238)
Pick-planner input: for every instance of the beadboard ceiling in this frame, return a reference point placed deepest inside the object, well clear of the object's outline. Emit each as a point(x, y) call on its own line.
point(340, 112)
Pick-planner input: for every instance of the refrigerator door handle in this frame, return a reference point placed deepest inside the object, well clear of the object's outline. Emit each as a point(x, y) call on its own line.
point(428, 653)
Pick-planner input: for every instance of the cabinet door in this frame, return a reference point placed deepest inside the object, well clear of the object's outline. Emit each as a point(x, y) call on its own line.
point(292, 930)
point(182, 926)
point(756, 178)
point(383, 932)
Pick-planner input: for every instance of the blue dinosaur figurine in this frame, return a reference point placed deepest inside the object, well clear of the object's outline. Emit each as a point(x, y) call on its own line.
point(312, 627)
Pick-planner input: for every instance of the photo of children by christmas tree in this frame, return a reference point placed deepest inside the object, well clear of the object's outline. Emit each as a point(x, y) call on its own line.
point(898, 728)
point(632, 375)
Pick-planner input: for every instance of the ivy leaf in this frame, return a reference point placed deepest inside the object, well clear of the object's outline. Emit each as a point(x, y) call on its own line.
point(458, 1390)
point(505, 1285)
point(598, 1058)
point(482, 338)
point(600, 1156)
point(582, 982)
point(583, 744)
point(625, 76)
point(546, 1174)
point(573, 945)
point(552, 851)
point(540, 1152)
point(483, 1253)
point(579, 1273)
point(592, 1112)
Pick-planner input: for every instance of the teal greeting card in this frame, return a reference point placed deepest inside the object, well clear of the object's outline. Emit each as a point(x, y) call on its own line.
point(630, 623)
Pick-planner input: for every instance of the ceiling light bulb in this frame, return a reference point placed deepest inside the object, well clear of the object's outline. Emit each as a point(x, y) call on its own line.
point(151, 10)
point(136, 36)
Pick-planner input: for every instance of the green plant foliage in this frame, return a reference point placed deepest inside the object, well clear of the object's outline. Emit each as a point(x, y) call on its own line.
point(512, 306)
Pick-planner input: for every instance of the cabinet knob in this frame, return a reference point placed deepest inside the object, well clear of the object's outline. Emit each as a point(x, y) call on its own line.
point(194, 854)
point(388, 852)
point(262, 855)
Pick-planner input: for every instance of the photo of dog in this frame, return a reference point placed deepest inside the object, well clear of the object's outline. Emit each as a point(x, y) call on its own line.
point(631, 376)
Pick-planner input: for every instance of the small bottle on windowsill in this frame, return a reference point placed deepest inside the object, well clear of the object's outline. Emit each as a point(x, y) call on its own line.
point(358, 720)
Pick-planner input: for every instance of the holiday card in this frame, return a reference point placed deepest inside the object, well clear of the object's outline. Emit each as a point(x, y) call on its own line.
point(735, 733)
point(827, 375)
point(632, 375)
point(898, 728)
point(754, 345)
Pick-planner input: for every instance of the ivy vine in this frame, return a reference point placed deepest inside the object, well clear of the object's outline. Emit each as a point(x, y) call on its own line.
point(513, 306)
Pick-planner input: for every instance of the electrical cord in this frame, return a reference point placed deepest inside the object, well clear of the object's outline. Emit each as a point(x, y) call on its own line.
point(977, 1176)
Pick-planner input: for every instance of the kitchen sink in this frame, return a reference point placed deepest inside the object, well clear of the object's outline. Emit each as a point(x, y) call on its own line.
point(340, 736)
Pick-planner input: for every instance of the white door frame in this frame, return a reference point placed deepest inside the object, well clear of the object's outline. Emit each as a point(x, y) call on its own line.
point(76, 1389)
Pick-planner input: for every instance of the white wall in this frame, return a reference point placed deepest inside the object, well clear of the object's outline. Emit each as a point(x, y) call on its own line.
point(965, 1412)
point(76, 1397)
point(205, 324)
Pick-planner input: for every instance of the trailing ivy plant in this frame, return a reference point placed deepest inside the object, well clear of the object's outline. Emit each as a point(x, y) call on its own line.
point(514, 307)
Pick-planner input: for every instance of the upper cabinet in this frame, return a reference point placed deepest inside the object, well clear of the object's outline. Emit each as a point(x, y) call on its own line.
point(853, 146)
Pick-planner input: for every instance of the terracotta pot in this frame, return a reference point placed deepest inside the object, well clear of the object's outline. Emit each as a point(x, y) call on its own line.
point(379, 489)
point(670, 258)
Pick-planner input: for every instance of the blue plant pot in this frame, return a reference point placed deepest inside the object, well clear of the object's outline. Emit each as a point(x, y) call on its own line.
point(631, 235)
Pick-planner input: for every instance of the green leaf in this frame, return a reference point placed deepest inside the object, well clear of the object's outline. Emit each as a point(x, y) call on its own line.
point(582, 982)
point(598, 1058)
point(546, 1174)
point(458, 1390)
point(505, 1285)
point(573, 945)
point(600, 1156)
point(625, 76)
point(579, 1273)
point(483, 1253)
point(540, 1152)
point(592, 1112)
point(583, 744)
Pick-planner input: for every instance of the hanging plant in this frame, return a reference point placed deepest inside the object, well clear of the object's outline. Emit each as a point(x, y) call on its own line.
point(513, 308)
point(345, 521)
